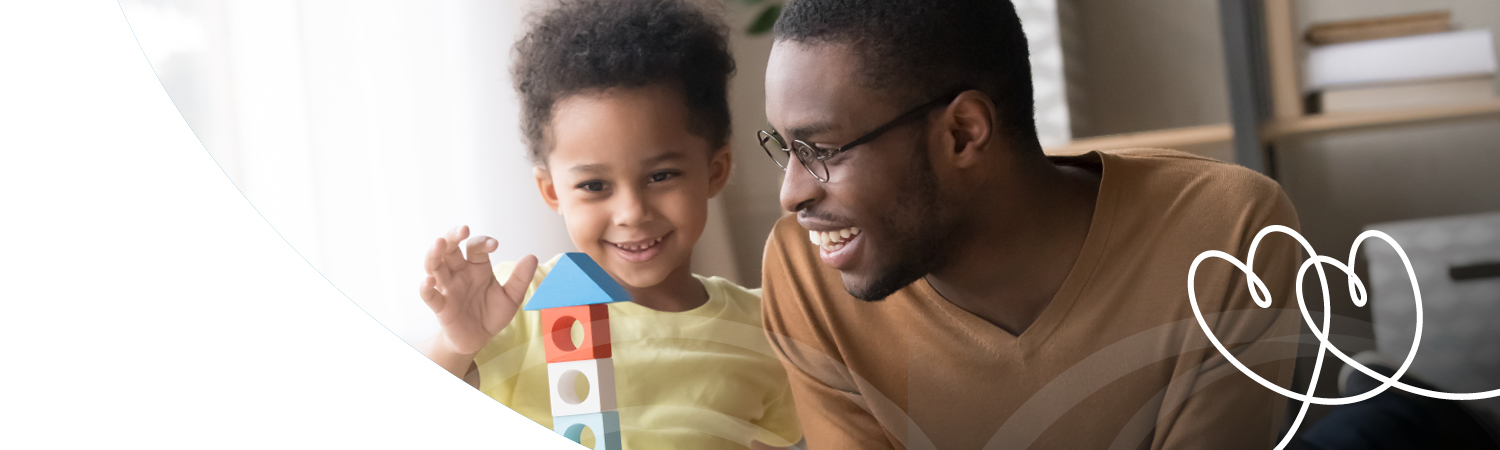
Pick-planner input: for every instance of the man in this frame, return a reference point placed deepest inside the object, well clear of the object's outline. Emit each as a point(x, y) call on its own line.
point(944, 284)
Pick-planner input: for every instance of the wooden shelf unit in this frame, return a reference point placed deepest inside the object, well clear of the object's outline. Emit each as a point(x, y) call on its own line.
point(1275, 129)
point(1171, 138)
point(1283, 52)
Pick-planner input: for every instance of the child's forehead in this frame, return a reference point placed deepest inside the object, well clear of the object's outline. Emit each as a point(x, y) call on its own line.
point(593, 162)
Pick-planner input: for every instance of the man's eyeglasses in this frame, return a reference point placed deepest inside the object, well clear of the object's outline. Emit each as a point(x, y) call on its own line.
point(813, 158)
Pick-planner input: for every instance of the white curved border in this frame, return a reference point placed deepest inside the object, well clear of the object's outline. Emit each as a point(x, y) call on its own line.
point(1262, 297)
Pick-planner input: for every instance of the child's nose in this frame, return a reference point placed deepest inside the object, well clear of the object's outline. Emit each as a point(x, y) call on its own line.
point(632, 208)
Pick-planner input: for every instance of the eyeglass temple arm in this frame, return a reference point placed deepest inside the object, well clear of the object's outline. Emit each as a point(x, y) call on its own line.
point(915, 112)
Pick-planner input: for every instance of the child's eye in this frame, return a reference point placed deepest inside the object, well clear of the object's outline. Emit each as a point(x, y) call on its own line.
point(591, 186)
point(663, 176)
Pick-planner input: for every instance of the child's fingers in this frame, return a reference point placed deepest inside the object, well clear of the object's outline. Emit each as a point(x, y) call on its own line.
point(458, 233)
point(430, 295)
point(436, 267)
point(453, 256)
point(433, 260)
point(520, 279)
point(479, 249)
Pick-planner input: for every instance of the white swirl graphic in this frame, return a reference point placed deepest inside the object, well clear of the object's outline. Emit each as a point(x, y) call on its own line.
point(1262, 297)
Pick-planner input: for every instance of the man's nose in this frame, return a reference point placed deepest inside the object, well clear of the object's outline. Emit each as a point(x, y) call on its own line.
point(799, 189)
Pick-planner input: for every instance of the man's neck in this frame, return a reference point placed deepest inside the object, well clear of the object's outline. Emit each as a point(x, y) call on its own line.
point(1018, 254)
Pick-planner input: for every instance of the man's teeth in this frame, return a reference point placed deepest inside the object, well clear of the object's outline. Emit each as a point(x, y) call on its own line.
point(832, 240)
point(639, 247)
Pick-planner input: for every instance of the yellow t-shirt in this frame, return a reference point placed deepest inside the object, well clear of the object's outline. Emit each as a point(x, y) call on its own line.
point(699, 379)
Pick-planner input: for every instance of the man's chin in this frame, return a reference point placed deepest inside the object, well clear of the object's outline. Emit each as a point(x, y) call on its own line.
point(878, 287)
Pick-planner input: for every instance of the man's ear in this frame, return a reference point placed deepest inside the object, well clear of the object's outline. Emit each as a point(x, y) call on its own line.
point(719, 168)
point(972, 125)
point(545, 186)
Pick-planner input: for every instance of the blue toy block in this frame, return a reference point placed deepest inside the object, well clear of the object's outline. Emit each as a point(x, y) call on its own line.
point(576, 280)
point(605, 425)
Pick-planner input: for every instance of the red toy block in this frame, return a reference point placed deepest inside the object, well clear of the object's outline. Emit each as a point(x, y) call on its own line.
point(557, 332)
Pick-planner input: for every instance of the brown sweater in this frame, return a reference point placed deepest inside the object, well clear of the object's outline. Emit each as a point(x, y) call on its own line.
point(1115, 361)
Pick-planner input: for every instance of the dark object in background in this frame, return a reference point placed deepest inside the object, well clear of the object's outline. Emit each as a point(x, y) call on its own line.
point(1395, 419)
point(1460, 346)
point(1474, 271)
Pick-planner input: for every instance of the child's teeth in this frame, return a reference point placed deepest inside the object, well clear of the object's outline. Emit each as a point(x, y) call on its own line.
point(844, 233)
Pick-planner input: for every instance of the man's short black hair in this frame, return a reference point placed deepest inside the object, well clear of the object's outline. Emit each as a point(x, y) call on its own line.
point(582, 47)
point(919, 49)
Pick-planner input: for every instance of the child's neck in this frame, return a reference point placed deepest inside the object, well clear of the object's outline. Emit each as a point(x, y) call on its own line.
point(679, 292)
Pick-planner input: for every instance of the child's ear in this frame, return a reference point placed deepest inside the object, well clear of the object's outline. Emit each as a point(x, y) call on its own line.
point(718, 170)
point(545, 186)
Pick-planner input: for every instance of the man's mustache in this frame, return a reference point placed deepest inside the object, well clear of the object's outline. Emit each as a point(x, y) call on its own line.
point(821, 216)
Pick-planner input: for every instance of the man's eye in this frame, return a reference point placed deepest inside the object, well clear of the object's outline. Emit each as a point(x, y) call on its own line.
point(662, 176)
point(591, 186)
point(824, 153)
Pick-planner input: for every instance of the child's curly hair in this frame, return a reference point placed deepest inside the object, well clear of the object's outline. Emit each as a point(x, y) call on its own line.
point(589, 46)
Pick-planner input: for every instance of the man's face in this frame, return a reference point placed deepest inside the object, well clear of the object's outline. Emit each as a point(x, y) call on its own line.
point(884, 194)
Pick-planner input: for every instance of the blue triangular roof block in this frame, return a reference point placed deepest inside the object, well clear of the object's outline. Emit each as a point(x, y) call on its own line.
point(576, 280)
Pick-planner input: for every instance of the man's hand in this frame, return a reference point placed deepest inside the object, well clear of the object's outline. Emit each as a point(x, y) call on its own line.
point(471, 305)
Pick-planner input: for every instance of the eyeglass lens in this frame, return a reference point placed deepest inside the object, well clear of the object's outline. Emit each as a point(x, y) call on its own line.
point(806, 155)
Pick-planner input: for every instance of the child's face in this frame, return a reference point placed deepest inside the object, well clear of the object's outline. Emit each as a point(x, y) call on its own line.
point(631, 181)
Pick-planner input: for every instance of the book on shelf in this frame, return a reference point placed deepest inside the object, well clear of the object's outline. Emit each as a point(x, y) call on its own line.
point(1404, 59)
point(1420, 94)
point(1379, 28)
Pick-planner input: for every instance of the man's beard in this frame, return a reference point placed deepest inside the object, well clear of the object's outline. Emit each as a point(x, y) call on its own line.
point(921, 233)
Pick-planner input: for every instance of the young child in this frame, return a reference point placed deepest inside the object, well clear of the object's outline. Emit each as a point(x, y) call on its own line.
point(625, 113)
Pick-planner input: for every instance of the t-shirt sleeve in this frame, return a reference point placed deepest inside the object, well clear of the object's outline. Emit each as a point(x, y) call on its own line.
point(1210, 404)
point(831, 417)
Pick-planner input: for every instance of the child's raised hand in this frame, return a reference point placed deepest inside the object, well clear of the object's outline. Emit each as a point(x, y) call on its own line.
point(470, 303)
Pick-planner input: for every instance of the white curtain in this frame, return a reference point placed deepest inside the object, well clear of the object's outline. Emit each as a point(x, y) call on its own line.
point(363, 130)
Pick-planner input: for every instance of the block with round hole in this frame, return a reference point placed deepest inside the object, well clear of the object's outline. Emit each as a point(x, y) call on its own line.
point(598, 375)
point(557, 333)
point(605, 426)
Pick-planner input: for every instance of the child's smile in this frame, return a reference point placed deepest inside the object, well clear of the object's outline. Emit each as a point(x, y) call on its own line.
point(640, 249)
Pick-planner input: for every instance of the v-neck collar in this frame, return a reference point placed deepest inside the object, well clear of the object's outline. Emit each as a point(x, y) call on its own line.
point(1095, 242)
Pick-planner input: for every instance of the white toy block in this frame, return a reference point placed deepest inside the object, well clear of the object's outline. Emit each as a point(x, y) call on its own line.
point(605, 425)
point(600, 374)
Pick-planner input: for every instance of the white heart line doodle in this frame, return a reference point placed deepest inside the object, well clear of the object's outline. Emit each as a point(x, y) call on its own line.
point(1262, 297)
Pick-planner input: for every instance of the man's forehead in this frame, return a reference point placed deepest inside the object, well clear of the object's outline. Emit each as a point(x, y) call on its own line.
point(810, 90)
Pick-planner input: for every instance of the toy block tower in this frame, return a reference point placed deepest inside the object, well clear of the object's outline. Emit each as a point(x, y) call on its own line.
point(577, 290)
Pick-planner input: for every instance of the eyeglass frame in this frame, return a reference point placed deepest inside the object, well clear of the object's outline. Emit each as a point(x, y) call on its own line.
point(766, 136)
